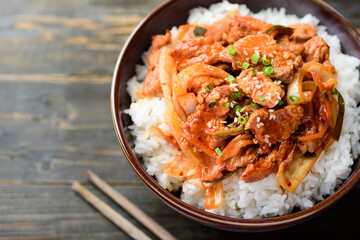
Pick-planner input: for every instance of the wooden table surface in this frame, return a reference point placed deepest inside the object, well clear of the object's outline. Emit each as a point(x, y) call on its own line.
point(56, 64)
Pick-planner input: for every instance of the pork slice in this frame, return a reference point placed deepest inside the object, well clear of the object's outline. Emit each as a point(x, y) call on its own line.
point(284, 62)
point(277, 126)
point(260, 88)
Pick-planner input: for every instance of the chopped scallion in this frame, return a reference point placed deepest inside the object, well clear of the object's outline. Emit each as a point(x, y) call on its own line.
point(212, 103)
point(262, 99)
point(266, 62)
point(268, 70)
point(218, 152)
point(208, 88)
point(254, 105)
point(237, 109)
point(333, 92)
point(280, 103)
point(230, 79)
point(199, 31)
point(255, 58)
point(294, 98)
point(326, 95)
point(253, 72)
point(245, 65)
point(241, 120)
point(226, 104)
point(235, 95)
point(231, 50)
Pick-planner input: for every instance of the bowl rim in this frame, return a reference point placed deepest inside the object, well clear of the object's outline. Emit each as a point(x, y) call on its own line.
point(195, 213)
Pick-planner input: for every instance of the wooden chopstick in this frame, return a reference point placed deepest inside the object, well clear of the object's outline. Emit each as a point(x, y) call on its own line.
point(110, 213)
point(130, 207)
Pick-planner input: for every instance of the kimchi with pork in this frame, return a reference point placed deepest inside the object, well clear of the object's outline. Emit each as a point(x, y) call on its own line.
point(244, 94)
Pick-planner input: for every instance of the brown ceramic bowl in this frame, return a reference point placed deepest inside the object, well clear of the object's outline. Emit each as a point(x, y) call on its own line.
point(174, 13)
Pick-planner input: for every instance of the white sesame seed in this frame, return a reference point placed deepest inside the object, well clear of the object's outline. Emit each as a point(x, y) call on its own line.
point(243, 109)
point(245, 52)
point(266, 140)
point(235, 89)
point(258, 126)
point(256, 47)
point(233, 85)
point(258, 119)
point(264, 57)
point(235, 119)
point(237, 113)
point(258, 86)
point(208, 124)
point(271, 110)
point(261, 124)
point(275, 52)
point(267, 136)
point(271, 55)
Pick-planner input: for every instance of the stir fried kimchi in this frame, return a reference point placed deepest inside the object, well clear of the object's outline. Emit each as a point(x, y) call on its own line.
point(244, 94)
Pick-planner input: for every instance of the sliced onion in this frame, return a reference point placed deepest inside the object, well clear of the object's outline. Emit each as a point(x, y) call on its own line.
point(187, 100)
point(214, 196)
point(328, 79)
point(309, 88)
point(182, 167)
point(235, 145)
point(290, 176)
point(295, 89)
point(167, 74)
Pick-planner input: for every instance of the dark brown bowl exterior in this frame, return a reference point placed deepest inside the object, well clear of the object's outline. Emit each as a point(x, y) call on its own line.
point(174, 13)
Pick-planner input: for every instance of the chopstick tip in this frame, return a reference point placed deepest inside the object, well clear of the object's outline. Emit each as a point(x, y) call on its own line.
point(89, 173)
point(75, 185)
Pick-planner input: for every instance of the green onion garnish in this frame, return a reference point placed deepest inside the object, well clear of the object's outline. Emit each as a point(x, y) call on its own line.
point(208, 88)
point(280, 103)
point(268, 70)
point(294, 98)
point(230, 79)
point(333, 92)
point(255, 58)
point(254, 105)
point(253, 72)
point(241, 120)
point(262, 99)
point(235, 95)
point(212, 103)
point(237, 109)
point(231, 50)
point(198, 31)
point(245, 65)
point(326, 95)
point(218, 152)
point(266, 62)
point(226, 104)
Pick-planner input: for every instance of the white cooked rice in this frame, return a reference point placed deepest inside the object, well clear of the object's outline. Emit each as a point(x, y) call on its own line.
point(263, 198)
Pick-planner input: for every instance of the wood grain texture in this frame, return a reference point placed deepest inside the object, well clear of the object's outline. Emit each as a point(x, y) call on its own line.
point(56, 64)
